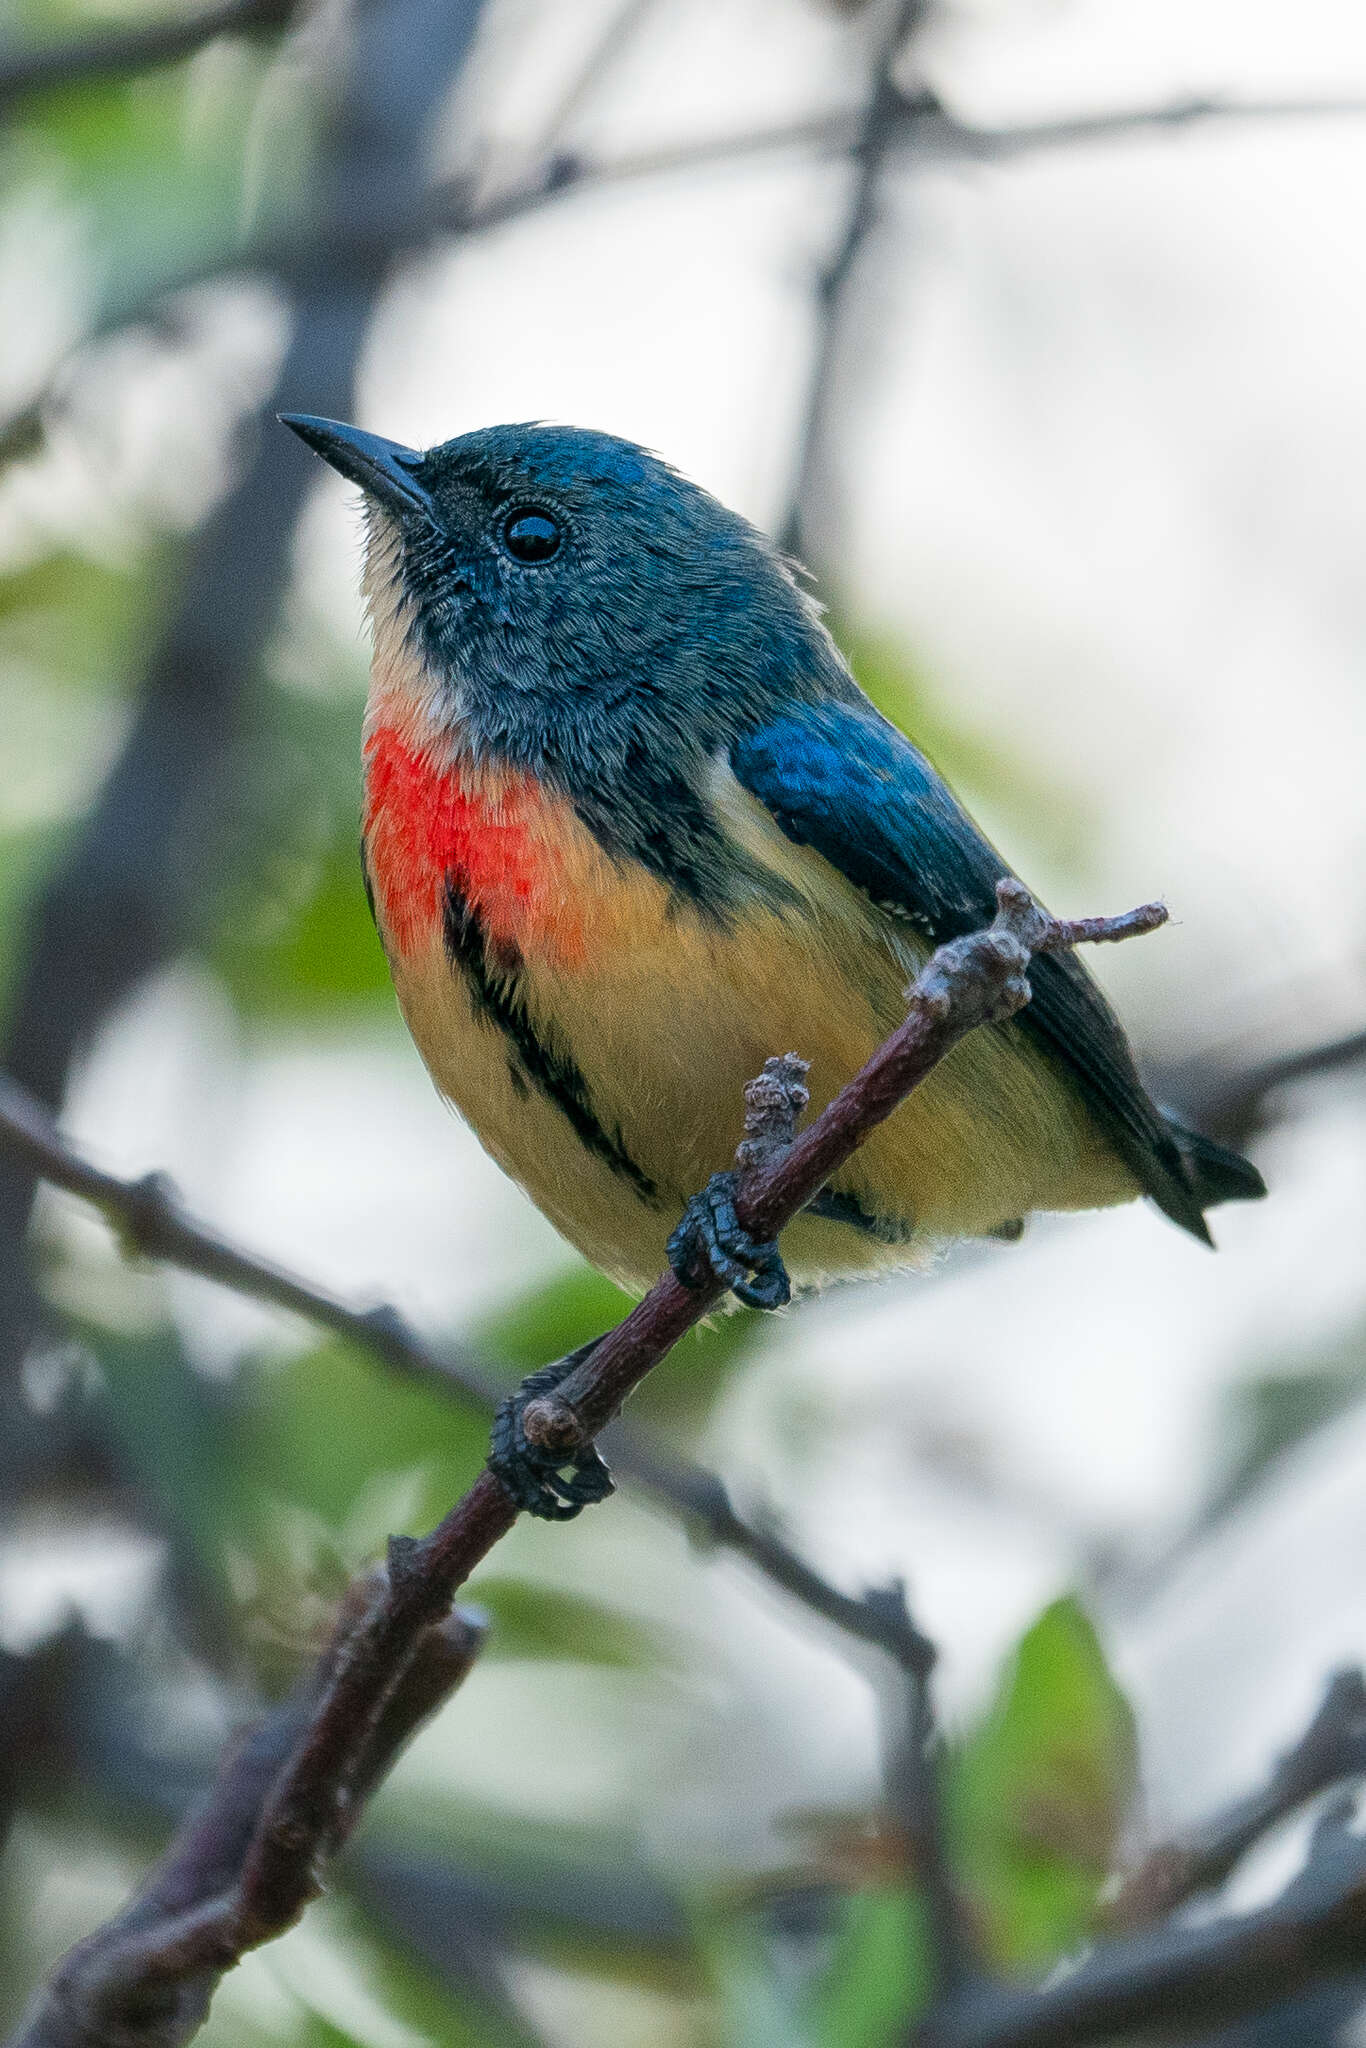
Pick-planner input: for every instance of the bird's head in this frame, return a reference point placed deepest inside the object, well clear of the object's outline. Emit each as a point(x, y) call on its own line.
point(564, 599)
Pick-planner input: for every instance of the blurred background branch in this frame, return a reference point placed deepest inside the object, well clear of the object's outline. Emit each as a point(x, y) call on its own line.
point(120, 53)
point(373, 175)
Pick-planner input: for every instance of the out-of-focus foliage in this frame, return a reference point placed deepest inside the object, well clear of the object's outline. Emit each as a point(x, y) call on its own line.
point(459, 1914)
point(839, 1954)
point(1039, 1791)
point(571, 1310)
point(975, 763)
point(166, 172)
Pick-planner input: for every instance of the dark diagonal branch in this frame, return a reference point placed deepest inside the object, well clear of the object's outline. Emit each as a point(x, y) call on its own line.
point(147, 1977)
point(126, 52)
point(310, 1803)
point(150, 1219)
point(1332, 1747)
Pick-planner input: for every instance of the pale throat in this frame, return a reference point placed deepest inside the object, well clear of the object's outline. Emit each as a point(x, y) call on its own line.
point(442, 826)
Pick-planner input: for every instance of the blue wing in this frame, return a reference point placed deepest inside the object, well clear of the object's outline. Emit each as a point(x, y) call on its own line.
point(837, 777)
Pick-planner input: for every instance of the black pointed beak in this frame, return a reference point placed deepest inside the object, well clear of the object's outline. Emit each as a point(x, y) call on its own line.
point(385, 470)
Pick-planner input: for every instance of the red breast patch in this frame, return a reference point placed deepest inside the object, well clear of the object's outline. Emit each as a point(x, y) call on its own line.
point(492, 835)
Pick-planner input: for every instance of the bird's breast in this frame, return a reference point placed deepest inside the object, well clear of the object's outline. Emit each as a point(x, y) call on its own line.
point(509, 849)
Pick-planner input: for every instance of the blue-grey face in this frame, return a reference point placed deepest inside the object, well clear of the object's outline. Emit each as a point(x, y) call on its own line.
point(553, 572)
point(596, 617)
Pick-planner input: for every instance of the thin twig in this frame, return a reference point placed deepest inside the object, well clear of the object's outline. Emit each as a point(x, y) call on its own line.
point(149, 1217)
point(1332, 1747)
point(1232, 1105)
point(619, 31)
point(917, 122)
point(922, 128)
point(913, 1772)
point(126, 52)
point(310, 1804)
point(869, 154)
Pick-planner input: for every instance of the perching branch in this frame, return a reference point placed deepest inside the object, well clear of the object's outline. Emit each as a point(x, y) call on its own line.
point(125, 52)
point(149, 1218)
point(310, 1804)
point(132, 880)
point(146, 1978)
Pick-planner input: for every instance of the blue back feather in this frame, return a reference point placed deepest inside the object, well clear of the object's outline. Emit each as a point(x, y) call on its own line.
point(837, 777)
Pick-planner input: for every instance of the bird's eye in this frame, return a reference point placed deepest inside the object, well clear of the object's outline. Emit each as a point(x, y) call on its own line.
point(531, 534)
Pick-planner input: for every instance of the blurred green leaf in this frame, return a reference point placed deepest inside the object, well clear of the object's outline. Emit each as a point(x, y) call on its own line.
point(159, 164)
point(549, 1320)
point(875, 1982)
point(78, 622)
point(293, 938)
point(375, 1990)
point(531, 1620)
point(24, 858)
point(757, 2008)
point(557, 1316)
point(817, 1970)
point(324, 1427)
point(178, 1432)
point(1037, 1794)
point(307, 943)
point(69, 630)
point(980, 769)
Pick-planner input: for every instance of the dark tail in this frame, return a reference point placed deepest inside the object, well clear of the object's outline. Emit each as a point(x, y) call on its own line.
point(1216, 1173)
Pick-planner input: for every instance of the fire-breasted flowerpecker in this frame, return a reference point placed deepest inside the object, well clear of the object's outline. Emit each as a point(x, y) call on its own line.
point(630, 827)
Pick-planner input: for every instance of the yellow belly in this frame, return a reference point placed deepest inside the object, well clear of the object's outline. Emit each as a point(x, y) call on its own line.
point(669, 1020)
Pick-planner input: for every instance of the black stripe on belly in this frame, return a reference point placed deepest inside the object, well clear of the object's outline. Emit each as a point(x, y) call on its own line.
point(534, 1060)
point(836, 1207)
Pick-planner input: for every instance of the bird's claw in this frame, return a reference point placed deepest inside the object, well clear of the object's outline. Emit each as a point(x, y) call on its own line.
point(554, 1485)
point(710, 1243)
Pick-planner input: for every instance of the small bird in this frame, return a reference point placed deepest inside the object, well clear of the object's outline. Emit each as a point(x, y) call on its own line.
point(630, 827)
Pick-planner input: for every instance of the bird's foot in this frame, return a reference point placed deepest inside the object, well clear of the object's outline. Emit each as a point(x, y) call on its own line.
point(710, 1243)
point(548, 1470)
